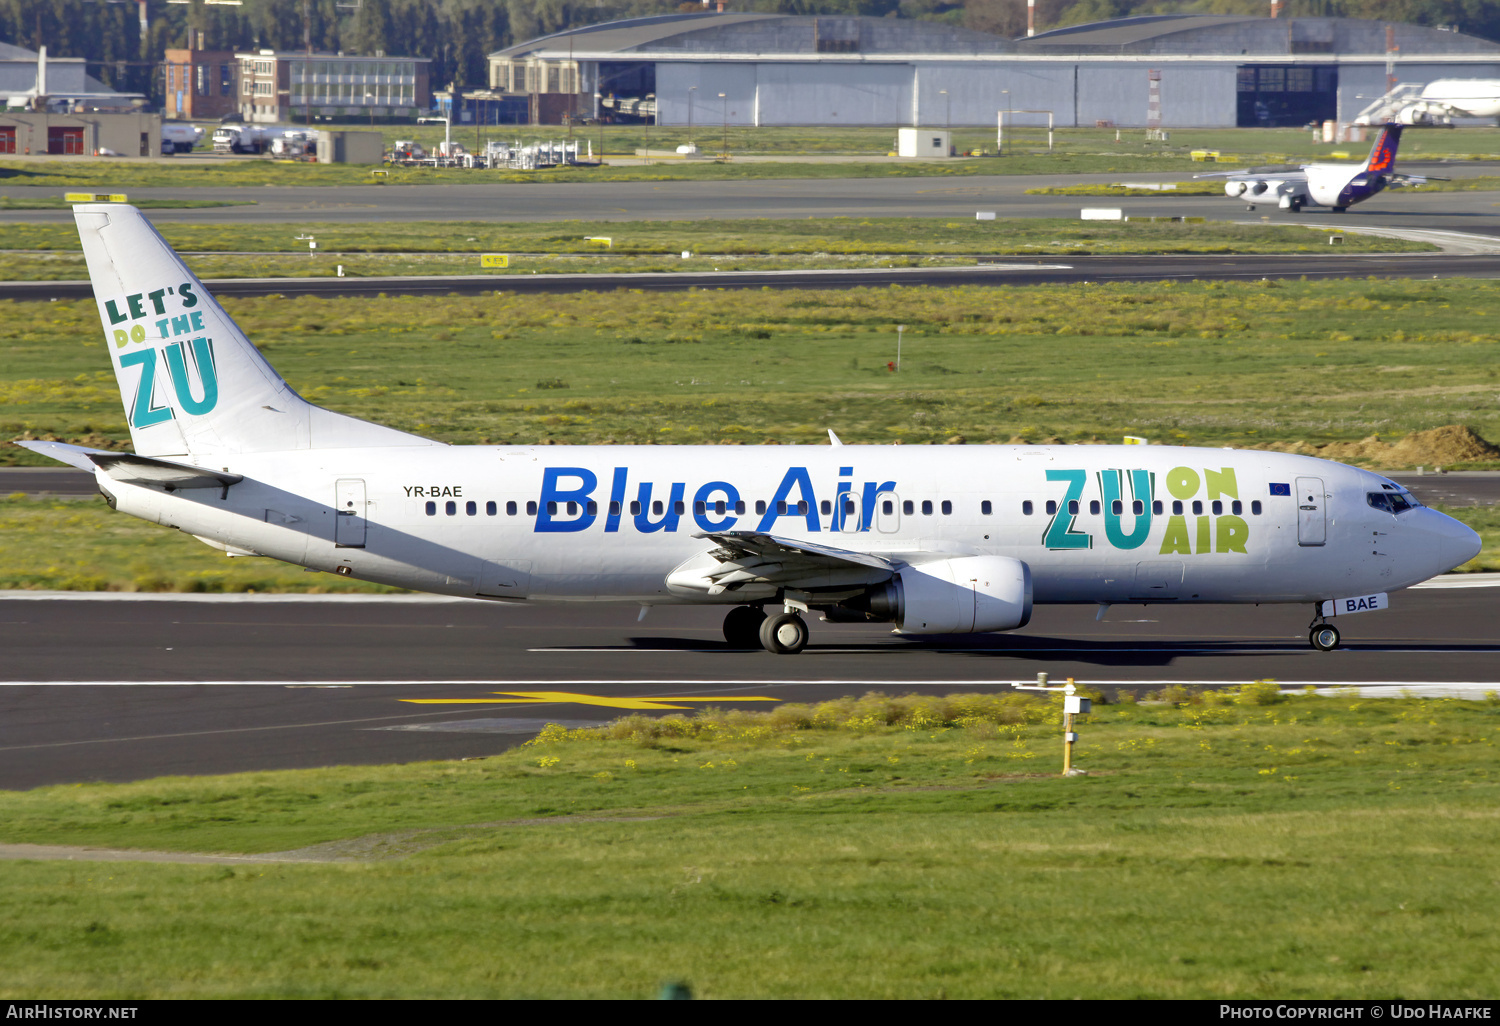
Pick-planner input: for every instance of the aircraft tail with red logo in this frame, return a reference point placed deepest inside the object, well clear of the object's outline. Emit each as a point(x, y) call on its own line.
point(1383, 153)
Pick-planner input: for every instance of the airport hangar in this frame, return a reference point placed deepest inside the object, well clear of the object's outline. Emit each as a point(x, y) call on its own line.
point(1215, 71)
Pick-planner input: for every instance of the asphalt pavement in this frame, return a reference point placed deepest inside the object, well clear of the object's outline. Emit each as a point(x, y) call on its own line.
point(112, 688)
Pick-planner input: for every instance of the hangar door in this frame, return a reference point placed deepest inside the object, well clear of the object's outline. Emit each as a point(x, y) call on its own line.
point(1286, 95)
point(834, 94)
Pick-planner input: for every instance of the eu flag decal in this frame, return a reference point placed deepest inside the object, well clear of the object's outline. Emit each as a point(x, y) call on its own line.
point(1280, 489)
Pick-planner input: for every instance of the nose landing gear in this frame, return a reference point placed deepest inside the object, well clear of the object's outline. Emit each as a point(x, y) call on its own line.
point(1323, 635)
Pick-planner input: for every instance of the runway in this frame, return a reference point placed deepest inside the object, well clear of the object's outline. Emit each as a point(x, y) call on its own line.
point(988, 272)
point(108, 689)
point(777, 198)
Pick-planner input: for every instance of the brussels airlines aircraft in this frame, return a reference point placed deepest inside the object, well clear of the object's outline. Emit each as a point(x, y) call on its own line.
point(944, 540)
point(1339, 186)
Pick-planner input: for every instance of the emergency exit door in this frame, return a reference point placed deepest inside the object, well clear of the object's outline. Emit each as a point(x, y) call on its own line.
point(349, 523)
point(1312, 524)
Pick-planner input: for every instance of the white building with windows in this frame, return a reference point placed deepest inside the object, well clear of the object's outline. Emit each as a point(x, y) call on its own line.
point(278, 86)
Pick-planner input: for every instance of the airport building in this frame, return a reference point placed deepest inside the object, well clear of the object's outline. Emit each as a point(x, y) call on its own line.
point(771, 69)
point(201, 84)
point(277, 87)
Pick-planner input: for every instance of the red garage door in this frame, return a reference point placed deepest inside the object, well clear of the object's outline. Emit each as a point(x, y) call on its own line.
point(64, 140)
point(7, 138)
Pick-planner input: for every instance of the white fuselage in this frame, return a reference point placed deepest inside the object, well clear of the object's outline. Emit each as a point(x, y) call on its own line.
point(1193, 525)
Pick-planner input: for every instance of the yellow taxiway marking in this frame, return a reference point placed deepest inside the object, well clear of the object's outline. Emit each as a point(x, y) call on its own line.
point(608, 701)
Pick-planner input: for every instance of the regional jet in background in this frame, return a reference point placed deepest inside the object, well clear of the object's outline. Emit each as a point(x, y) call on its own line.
point(1338, 186)
point(935, 540)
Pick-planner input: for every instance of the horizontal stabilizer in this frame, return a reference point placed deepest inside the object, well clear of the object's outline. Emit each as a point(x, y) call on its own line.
point(62, 452)
point(143, 470)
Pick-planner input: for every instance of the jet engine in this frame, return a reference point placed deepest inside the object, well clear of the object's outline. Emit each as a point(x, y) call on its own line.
point(964, 595)
point(1259, 188)
point(1233, 189)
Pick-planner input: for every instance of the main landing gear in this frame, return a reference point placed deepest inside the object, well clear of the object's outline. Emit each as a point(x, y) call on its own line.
point(750, 627)
point(1323, 635)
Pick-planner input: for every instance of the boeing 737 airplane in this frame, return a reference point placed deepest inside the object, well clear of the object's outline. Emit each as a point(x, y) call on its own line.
point(935, 540)
point(1339, 186)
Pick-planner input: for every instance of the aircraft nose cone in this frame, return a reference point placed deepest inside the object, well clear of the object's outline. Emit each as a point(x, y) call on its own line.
point(1453, 543)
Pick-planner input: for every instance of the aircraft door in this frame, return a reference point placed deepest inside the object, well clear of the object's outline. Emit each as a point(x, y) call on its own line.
point(846, 517)
point(1312, 522)
point(888, 512)
point(349, 523)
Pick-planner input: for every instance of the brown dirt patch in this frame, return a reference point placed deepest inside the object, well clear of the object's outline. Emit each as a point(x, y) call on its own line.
point(1437, 447)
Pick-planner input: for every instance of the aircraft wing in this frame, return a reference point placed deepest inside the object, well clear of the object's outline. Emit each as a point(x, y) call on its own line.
point(133, 469)
point(1398, 180)
point(1296, 174)
point(750, 557)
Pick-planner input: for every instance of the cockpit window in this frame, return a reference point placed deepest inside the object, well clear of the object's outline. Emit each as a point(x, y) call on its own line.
point(1391, 502)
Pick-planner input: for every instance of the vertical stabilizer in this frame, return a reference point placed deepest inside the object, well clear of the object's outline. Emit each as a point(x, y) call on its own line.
point(1383, 153)
point(191, 382)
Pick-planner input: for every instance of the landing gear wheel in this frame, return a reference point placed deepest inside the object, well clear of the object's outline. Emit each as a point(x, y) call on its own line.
point(1296, 207)
point(783, 634)
point(1324, 637)
point(742, 626)
point(1339, 210)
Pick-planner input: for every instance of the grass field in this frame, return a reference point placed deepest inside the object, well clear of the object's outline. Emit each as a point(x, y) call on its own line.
point(1311, 848)
point(50, 252)
point(1209, 363)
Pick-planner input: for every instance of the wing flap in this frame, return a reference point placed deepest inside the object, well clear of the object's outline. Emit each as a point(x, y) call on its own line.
point(749, 562)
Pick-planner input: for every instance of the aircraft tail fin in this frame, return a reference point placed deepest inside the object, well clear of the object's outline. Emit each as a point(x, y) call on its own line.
point(191, 382)
point(1383, 153)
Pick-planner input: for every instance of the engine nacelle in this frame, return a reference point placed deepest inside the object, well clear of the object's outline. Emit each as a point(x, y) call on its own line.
point(965, 595)
point(1235, 190)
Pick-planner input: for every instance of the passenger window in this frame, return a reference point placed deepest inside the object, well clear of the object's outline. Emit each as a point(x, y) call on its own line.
point(848, 507)
point(510, 509)
point(1116, 507)
point(1051, 507)
point(887, 507)
point(1137, 507)
point(947, 508)
point(592, 508)
point(432, 509)
point(985, 508)
point(907, 507)
point(614, 508)
point(927, 507)
point(572, 509)
point(531, 508)
point(802, 507)
point(490, 509)
point(760, 506)
point(719, 507)
point(700, 506)
point(1197, 507)
point(1026, 508)
point(552, 509)
point(739, 508)
point(1094, 507)
point(1255, 507)
point(1072, 507)
point(1177, 507)
point(1156, 507)
point(471, 508)
point(1236, 507)
point(452, 508)
point(656, 507)
point(635, 507)
point(827, 507)
point(781, 507)
point(1218, 507)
